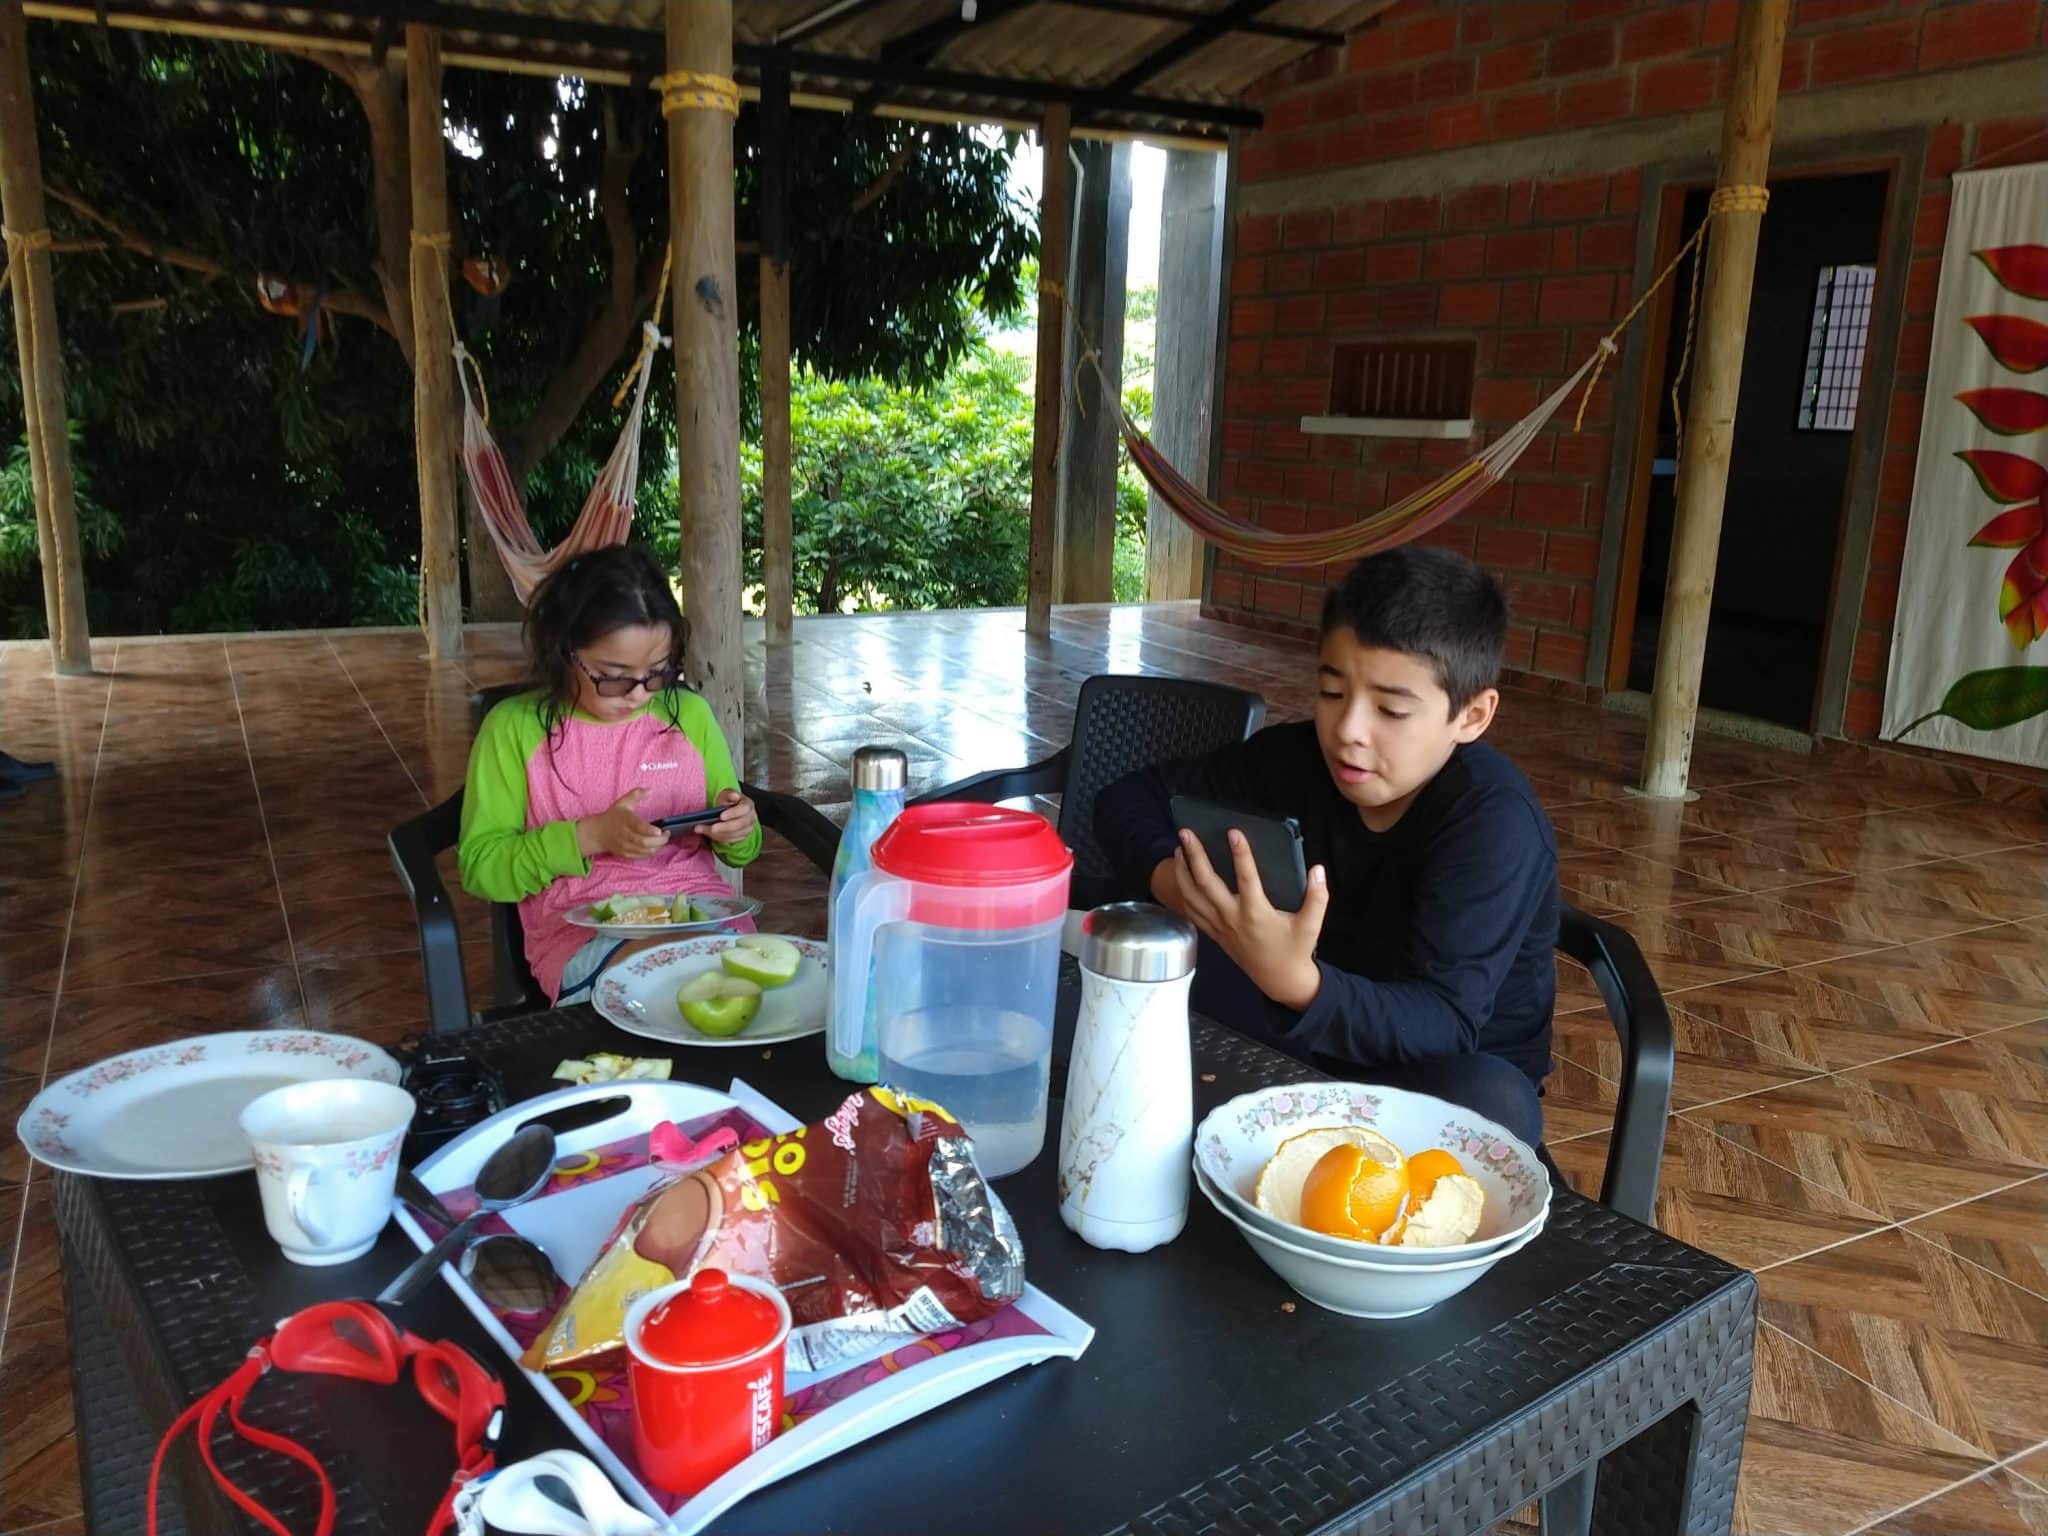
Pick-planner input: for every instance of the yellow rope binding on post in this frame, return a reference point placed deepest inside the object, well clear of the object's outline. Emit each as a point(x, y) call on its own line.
point(21, 243)
point(685, 90)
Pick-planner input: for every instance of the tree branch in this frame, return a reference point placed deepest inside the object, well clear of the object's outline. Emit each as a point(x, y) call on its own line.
point(873, 193)
point(629, 292)
point(340, 300)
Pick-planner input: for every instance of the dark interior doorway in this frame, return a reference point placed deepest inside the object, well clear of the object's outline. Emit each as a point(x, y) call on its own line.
point(1809, 316)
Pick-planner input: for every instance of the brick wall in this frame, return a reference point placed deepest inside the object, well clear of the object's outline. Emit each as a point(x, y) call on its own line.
point(1535, 271)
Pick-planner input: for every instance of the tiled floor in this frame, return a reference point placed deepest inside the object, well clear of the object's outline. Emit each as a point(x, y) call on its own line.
point(1855, 948)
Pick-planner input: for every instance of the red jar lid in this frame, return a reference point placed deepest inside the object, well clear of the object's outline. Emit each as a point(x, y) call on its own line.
point(971, 845)
point(714, 1322)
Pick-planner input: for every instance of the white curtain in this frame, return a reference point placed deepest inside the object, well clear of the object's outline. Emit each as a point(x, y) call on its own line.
point(1969, 661)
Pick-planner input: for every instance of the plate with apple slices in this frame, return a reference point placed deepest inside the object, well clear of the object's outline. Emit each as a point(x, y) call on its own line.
point(661, 917)
point(721, 989)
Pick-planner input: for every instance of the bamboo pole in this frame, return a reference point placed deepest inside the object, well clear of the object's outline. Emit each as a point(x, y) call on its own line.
point(435, 434)
point(1055, 211)
point(778, 531)
point(700, 102)
point(1737, 212)
point(42, 353)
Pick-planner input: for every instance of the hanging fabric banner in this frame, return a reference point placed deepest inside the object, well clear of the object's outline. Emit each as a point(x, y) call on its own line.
point(1969, 662)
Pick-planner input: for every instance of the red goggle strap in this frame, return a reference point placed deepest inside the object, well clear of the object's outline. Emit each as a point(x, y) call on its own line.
point(204, 1415)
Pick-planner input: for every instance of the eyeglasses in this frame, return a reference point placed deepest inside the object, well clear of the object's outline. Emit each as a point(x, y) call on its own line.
point(609, 686)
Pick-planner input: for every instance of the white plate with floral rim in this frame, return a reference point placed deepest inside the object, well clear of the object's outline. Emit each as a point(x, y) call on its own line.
point(174, 1111)
point(1235, 1140)
point(639, 994)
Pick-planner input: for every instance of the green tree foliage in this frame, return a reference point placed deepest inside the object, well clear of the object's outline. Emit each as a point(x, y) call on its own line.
point(916, 497)
point(252, 491)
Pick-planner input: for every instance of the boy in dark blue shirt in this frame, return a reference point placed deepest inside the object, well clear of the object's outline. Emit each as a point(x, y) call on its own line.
point(1422, 957)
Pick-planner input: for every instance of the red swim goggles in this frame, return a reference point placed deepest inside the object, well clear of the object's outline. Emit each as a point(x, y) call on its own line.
point(348, 1338)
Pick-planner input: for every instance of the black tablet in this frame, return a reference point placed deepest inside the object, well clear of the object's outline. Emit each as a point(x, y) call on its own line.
point(1275, 840)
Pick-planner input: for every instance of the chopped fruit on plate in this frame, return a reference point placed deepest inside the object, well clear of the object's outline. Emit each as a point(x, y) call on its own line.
point(762, 959)
point(718, 1005)
point(605, 1067)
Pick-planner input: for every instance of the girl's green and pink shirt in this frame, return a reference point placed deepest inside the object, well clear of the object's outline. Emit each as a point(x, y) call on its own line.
point(527, 789)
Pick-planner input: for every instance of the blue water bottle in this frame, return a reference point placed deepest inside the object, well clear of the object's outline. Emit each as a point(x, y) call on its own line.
point(879, 776)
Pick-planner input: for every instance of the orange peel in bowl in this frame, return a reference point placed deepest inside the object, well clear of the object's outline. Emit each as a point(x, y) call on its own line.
point(1278, 1193)
point(1448, 1215)
point(1348, 1194)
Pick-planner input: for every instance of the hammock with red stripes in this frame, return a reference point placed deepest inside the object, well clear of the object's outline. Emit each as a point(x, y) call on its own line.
point(1409, 518)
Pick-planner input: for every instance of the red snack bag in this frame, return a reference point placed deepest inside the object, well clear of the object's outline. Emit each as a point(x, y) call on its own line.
point(874, 1222)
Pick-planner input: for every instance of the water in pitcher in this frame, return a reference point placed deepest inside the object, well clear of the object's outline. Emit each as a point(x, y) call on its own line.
point(987, 1067)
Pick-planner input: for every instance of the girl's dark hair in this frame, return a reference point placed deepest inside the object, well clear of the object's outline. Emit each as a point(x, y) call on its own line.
point(587, 599)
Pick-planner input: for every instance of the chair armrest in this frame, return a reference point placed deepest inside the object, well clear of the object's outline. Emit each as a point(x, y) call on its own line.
point(1047, 777)
point(801, 825)
point(413, 846)
point(1635, 1005)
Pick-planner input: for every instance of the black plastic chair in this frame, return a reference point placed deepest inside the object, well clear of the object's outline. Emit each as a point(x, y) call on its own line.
point(1121, 724)
point(416, 844)
point(1635, 1147)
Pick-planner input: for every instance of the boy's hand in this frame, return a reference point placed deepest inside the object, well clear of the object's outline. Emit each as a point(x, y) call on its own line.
point(621, 831)
point(1276, 949)
point(739, 818)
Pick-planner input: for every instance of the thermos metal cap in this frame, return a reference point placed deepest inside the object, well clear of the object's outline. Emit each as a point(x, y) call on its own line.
point(880, 768)
point(1136, 941)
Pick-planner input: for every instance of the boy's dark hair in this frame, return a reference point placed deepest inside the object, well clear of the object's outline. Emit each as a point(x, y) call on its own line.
point(581, 603)
point(1428, 603)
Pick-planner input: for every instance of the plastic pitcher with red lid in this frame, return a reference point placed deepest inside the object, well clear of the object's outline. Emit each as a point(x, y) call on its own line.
point(960, 916)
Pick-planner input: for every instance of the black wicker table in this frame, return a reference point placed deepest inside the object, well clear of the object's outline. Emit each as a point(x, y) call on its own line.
point(1210, 1401)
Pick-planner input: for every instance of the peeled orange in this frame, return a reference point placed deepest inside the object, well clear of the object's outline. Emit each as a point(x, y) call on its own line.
point(1348, 1194)
point(1425, 1168)
point(1279, 1187)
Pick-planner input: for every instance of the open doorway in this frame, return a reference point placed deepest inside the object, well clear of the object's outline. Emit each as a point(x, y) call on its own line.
point(1809, 319)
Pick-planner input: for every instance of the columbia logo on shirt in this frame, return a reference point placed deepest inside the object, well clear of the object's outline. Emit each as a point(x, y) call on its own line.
point(657, 767)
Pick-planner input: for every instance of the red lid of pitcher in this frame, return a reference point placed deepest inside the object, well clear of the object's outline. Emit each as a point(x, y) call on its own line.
point(713, 1322)
point(971, 845)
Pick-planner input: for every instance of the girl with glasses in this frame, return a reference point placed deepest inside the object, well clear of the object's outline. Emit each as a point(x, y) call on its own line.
point(566, 779)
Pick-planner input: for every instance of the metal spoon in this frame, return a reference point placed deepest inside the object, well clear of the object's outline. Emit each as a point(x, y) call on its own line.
point(515, 1172)
point(421, 1198)
point(510, 1272)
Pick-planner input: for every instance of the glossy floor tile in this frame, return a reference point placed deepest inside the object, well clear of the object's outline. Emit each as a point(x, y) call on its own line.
point(1852, 946)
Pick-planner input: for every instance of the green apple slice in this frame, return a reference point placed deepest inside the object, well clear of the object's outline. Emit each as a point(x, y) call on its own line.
point(718, 1005)
point(762, 959)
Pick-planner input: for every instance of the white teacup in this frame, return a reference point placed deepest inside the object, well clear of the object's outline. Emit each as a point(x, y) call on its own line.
point(327, 1163)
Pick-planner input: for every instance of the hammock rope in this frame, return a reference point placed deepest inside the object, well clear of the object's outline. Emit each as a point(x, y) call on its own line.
point(1445, 497)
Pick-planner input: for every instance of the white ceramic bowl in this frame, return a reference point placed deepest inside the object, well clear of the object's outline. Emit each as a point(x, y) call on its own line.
point(1355, 1287)
point(1234, 1142)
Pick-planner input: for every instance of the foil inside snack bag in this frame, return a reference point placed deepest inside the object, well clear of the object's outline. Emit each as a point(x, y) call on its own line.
point(874, 1223)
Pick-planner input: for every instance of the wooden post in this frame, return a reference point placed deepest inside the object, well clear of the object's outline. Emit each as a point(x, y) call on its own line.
point(1091, 445)
point(700, 103)
point(1717, 380)
point(42, 353)
point(435, 432)
point(1049, 386)
point(778, 531)
point(1184, 349)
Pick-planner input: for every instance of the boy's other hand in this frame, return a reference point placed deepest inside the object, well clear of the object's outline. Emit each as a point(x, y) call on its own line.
point(621, 831)
point(739, 818)
point(1276, 949)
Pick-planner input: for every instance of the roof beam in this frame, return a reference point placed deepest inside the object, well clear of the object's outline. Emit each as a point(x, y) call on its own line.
point(903, 53)
point(1157, 10)
point(999, 88)
point(1197, 37)
point(832, 15)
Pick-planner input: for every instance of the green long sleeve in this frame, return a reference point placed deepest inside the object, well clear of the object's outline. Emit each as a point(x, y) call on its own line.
point(501, 858)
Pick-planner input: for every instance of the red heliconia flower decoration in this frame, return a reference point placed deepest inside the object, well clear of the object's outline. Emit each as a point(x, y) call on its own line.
point(2018, 484)
point(2020, 269)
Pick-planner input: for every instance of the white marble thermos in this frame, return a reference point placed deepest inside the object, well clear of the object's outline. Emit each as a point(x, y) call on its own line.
point(1127, 1132)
